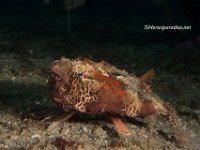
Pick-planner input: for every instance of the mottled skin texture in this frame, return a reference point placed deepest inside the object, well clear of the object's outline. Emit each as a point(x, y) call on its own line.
point(98, 88)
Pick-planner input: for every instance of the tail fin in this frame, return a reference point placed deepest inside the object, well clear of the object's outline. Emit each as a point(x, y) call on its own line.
point(180, 134)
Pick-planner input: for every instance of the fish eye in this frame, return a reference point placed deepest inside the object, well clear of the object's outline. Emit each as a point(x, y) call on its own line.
point(57, 77)
point(77, 74)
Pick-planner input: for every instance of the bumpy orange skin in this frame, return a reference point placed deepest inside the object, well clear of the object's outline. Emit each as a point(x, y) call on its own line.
point(85, 86)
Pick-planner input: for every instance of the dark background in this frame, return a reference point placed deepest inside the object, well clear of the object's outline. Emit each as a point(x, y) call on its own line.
point(106, 29)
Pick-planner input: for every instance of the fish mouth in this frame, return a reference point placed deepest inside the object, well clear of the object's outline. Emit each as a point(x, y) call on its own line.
point(58, 100)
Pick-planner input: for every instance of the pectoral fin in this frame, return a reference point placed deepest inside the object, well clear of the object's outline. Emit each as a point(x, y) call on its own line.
point(68, 116)
point(120, 126)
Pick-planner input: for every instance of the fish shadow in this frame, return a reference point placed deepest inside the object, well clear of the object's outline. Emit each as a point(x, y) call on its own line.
point(25, 100)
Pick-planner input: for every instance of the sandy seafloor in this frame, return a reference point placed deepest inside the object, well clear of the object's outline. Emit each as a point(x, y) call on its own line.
point(28, 120)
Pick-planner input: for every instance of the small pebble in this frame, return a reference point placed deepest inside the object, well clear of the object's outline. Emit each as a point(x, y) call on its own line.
point(84, 129)
point(54, 128)
point(35, 136)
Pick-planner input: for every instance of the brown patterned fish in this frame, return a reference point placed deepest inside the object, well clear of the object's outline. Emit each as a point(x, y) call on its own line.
point(84, 86)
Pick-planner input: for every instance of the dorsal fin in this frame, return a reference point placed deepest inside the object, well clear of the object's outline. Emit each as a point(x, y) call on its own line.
point(109, 80)
point(148, 75)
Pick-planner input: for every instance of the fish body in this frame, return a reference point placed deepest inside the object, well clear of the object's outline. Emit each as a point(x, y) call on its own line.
point(84, 86)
